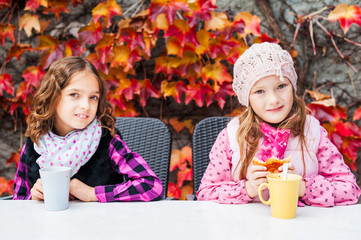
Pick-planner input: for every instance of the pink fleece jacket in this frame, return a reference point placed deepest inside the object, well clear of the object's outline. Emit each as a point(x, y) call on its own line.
point(334, 184)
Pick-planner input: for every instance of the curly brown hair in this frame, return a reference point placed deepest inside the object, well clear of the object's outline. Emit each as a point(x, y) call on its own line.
point(249, 132)
point(48, 95)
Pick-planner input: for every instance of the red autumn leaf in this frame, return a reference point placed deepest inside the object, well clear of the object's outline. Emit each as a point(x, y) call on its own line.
point(235, 52)
point(17, 102)
point(174, 89)
point(217, 72)
point(324, 113)
point(346, 15)
point(168, 7)
point(116, 100)
point(221, 92)
point(200, 9)
point(190, 61)
point(184, 175)
point(182, 32)
point(104, 47)
point(350, 146)
point(167, 65)
point(174, 191)
point(50, 50)
point(106, 10)
point(95, 60)
point(129, 111)
point(14, 158)
point(57, 7)
point(128, 88)
point(123, 56)
point(357, 114)
point(28, 22)
point(91, 33)
point(6, 84)
point(347, 129)
point(251, 23)
point(33, 75)
point(32, 5)
point(6, 30)
point(147, 90)
point(17, 49)
point(73, 48)
point(265, 38)
point(24, 90)
point(199, 92)
point(220, 45)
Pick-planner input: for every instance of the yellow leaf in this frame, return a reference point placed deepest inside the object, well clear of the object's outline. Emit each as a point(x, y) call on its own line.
point(28, 22)
point(174, 47)
point(203, 37)
point(218, 21)
point(161, 22)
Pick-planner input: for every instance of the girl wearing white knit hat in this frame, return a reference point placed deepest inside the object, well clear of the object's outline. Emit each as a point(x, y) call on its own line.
point(276, 124)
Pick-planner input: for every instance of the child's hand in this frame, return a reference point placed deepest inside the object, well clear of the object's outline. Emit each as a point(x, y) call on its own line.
point(291, 169)
point(82, 191)
point(37, 191)
point(257, 176)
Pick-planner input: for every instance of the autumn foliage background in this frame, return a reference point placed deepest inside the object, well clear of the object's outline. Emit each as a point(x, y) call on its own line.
point(166, 55)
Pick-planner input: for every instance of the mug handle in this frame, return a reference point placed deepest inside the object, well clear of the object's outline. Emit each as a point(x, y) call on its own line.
point(260, 193)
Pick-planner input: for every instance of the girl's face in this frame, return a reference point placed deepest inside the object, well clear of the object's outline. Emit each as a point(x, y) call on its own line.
point(271, 99)
point(78, 104)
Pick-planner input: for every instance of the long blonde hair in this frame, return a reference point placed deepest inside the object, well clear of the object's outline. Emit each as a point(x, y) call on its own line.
point(249, 132)
point(48, 94)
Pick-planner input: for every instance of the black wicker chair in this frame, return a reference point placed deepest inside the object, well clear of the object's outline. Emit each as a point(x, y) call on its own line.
point(204, 135)
point(151, 139)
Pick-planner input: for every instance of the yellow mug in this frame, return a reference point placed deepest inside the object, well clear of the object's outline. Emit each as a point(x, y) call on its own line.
point(283, 194)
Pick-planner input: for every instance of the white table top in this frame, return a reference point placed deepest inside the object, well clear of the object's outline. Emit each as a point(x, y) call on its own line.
point(174, 220)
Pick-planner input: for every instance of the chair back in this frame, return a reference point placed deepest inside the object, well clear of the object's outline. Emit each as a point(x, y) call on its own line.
point(204, 135)
point(151, 139)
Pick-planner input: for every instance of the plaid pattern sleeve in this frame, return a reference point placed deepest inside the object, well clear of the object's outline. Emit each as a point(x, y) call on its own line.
point(142, 184)
point(21, 184)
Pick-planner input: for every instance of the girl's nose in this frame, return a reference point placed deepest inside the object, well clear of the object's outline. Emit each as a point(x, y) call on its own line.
point(272, 98)
point(84, 104)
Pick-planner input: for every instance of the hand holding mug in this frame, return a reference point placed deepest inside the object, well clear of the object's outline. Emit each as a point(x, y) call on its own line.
point(257, 176)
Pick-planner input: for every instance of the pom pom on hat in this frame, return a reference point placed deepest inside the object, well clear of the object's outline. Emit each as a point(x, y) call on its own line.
point(259, 61)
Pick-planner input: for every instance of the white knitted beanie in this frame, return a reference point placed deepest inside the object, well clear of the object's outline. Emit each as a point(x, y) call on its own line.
point(259, 61)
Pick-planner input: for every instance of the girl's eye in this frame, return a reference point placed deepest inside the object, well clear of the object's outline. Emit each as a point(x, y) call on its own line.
point(283, 85)
point(74, 95)
point(259, 92)
point(95, 98)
